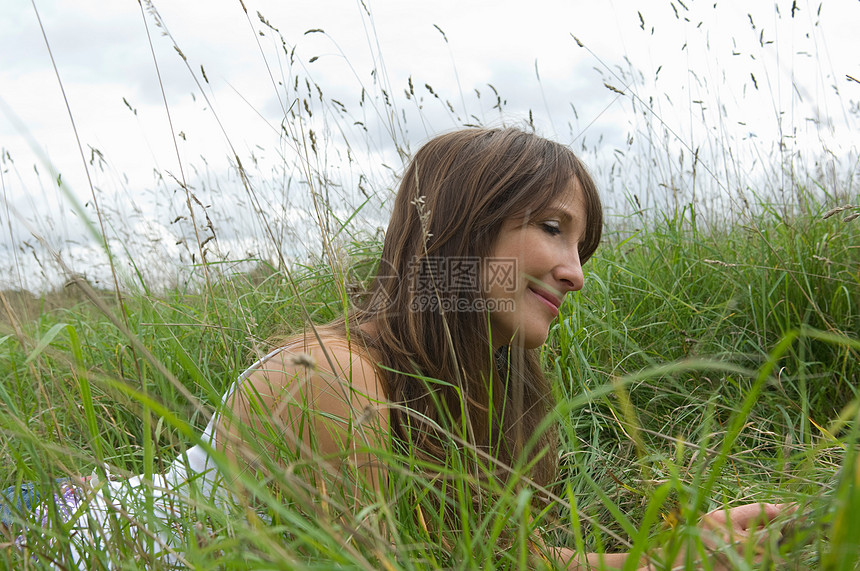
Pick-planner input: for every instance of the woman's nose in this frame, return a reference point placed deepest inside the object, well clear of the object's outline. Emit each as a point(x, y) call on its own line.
point(570, 275)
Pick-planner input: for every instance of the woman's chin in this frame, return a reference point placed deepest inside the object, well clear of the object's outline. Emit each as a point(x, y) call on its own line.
point(532, 340)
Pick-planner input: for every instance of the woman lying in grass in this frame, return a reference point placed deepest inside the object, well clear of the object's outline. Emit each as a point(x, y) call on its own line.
point(438, 363)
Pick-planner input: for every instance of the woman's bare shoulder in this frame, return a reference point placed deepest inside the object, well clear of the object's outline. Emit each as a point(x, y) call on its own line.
point(326, 378)
point(327, 386)
point(333, 359)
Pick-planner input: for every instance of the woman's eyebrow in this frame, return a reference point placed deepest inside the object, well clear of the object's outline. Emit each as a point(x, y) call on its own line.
point(559, 211)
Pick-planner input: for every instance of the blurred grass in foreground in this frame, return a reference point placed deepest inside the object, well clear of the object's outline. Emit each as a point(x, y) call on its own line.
point(698, 367)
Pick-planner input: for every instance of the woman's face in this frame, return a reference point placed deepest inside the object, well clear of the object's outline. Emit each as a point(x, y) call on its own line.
point(532, 265)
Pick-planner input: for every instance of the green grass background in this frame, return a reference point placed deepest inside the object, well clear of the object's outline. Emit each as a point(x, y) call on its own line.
point(710, 360)
point(697, 368)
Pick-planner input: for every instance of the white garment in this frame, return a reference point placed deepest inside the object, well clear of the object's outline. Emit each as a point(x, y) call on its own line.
point(191, 483)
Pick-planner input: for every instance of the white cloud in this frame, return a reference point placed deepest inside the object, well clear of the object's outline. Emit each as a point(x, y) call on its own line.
point(103, 57)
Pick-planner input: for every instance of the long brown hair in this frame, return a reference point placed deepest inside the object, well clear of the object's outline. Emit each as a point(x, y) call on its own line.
point(456, 193)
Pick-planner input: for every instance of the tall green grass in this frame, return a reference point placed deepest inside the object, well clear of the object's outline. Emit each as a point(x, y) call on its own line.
point(697, 368)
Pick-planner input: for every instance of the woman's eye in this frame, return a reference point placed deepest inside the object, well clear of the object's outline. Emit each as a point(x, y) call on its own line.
point(551, 227)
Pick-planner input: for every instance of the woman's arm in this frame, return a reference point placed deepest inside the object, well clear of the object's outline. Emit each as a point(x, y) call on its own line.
point(573, 560)
point(733, 527)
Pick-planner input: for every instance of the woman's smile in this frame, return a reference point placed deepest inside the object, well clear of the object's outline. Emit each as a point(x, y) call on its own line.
point(548, 299)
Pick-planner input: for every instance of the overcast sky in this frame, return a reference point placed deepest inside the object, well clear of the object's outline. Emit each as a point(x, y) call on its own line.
point(738, 77)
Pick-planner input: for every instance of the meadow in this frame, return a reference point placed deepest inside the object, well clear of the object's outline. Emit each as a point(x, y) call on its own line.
point(711, 359)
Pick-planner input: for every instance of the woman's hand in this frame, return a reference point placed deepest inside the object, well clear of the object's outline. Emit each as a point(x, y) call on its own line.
point(727, 535)
point(741, 529)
